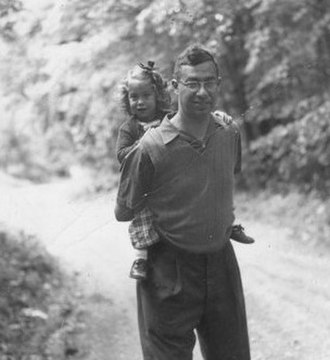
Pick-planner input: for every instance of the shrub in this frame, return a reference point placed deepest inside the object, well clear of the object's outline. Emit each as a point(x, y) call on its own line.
point(296, 154)
point(36, 303)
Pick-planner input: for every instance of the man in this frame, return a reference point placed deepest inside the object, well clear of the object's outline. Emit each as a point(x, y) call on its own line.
point(184, 172)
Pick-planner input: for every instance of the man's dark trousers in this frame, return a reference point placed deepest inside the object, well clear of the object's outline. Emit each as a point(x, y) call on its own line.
point(186, 291)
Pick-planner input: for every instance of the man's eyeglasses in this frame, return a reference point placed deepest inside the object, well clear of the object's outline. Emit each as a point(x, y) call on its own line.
point(209, 85)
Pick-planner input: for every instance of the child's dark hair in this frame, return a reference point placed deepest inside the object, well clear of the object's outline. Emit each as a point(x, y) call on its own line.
point(147, 72)
point(194, 55)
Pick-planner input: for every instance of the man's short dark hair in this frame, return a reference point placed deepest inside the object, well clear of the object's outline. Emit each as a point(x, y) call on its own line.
point(194, 55)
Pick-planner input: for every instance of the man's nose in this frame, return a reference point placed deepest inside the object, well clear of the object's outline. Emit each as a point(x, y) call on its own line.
point(202, 90)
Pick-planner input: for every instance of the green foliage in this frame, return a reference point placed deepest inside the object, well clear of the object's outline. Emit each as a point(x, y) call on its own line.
point(69, 58)
point(36, 301)
point(298, 153)
point(37, 158)
point(8, 12)
point(288, 45)
point(59, 96)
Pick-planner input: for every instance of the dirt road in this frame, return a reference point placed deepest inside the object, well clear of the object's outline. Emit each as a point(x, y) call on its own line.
point(287, 288)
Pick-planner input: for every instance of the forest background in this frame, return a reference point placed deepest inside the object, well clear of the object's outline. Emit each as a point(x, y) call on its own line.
point(61, 63)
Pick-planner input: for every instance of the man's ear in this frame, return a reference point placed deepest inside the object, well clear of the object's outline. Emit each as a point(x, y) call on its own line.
point(175, 84)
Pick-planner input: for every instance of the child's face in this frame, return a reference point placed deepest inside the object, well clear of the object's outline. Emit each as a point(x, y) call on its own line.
point(142, 99)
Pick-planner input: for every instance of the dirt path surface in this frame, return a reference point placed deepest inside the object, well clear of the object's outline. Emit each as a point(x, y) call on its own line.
point(287, 287)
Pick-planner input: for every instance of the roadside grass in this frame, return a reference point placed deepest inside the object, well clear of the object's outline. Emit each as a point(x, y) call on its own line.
point(307, 216)
point(40, 312)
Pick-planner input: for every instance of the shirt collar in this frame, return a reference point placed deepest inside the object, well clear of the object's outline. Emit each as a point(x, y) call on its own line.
point(167, 130)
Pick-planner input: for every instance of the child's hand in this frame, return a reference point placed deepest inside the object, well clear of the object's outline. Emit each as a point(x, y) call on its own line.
point(223, 118)
point(152, 124)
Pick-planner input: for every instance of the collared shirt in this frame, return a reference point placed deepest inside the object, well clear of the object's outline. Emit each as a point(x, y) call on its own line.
point(187, 184)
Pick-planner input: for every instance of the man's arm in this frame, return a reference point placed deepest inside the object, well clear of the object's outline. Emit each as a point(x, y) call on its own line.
point(122, 213)
point(134, 184)
point(126, 141)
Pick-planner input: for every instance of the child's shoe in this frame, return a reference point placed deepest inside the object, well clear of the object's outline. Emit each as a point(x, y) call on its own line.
point(139, 269)
point(238, 234)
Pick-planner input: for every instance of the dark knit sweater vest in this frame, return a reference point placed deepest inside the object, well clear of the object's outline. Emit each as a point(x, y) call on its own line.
point(192, 191)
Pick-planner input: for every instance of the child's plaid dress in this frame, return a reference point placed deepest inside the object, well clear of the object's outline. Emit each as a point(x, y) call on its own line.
point(141, 230)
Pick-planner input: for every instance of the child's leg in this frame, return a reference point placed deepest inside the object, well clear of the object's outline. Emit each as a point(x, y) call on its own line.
point(139, 266)
point(143, 235)
point(141, 254)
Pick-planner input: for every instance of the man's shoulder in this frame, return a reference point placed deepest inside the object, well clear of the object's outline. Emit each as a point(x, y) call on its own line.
point(151, 138)
point(152, 145)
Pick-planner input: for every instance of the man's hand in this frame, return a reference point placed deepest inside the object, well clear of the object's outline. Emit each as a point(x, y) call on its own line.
point(122, 213)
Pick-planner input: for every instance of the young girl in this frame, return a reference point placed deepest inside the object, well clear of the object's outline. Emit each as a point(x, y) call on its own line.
point(146, 100)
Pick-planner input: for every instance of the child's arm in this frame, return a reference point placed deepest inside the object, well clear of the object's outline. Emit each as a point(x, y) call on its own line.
point(122, 152)
point(126, 141)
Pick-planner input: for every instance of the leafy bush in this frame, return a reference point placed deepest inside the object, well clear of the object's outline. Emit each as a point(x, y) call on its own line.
point(296, 154)
point(32, 156)
point(60, 68)
point(37, 311)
